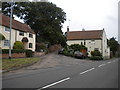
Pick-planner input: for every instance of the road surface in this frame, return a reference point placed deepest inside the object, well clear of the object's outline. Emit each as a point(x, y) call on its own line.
point(95, 74)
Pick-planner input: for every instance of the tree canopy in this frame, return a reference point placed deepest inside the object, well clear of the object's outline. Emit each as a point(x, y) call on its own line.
point(113, 44)
point(45, 18)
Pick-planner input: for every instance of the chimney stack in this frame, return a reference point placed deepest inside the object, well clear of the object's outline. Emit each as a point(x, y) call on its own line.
point(67, 28)
point(83, 29)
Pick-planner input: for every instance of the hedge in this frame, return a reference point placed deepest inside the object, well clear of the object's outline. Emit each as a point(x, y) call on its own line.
point(29, 53)
point(96, 58)
point(6, 51)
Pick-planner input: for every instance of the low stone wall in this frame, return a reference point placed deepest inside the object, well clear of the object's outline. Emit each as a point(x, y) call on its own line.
point(54, 48)
point(14, 55)
point(37, 54)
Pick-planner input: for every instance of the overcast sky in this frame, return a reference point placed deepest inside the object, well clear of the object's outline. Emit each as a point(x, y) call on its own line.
point(90, 15)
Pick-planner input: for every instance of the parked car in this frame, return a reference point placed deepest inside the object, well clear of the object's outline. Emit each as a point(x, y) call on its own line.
point(79, 54)
point(61, 51)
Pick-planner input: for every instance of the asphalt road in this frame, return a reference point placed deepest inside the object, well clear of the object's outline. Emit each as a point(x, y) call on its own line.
point(97, 74)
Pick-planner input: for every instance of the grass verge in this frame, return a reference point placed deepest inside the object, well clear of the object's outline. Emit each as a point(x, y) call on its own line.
point(19, 62)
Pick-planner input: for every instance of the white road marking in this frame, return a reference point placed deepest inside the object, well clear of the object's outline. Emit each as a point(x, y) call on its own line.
point(54, 83)
point(108, 62)
point(101, 65)
point(87, 71)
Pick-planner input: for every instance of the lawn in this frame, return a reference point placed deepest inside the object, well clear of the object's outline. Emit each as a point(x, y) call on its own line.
point(19, 62)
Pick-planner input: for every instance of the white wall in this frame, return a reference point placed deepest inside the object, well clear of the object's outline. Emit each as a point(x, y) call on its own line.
point(89, 44)
point(7, 36)
point(30, 40)
point(105, 49)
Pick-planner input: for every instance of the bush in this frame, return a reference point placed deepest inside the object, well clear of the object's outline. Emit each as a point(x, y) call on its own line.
point(6, 51)
point(96, 53)
point(29, 53)
point(41, 46)
point(77, 47)
point(96, 58)
point(18, 45)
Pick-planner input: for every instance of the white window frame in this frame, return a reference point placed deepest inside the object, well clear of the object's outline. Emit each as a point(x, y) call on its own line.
point(30, 35)
point(21, 33)
point(31, 45)
point(6, 42)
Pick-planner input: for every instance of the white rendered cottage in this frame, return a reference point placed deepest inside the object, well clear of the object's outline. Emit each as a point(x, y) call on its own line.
point(92, 39)
point(20, 32)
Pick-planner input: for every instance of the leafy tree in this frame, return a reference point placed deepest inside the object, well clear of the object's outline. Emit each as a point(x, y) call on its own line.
point(44, 18)
point(113, 44)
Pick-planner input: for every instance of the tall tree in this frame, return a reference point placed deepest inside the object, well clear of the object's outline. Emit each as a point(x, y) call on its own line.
point(44, 18)
point(113, 44)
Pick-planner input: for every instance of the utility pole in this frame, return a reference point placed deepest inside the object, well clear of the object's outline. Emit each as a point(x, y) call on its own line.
point(10, 29)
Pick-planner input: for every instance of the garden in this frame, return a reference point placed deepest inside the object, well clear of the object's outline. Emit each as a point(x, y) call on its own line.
point(80, 51)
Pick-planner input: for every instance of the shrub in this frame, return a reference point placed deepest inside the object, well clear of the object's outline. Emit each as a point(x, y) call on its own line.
point(29, 53)
point(6, 51)
point(66, 53)
point(41, 46)
point(77, 47)
point(96, 58)
point(18, 45)
point(96, 53)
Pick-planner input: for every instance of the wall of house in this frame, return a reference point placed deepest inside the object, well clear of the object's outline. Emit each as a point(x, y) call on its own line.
point(16, 37)
point(30, 40)
point(91, 45)
point(7, 36)
point(105, 48)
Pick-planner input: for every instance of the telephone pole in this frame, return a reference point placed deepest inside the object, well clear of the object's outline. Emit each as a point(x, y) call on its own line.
point(10, 28)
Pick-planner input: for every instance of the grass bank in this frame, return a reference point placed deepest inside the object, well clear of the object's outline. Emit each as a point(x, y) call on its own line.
point(16, 63)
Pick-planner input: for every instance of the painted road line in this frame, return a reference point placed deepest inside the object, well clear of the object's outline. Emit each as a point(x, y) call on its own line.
point(108, 62)
point(101, 65)
point(87, 71)
point(54, 83)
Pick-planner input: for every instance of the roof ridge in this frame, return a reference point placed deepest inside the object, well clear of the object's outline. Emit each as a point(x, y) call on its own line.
point(86, 31)
point(17, 25)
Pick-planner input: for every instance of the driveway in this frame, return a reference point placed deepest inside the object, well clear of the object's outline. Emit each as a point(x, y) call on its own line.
point(51, 60)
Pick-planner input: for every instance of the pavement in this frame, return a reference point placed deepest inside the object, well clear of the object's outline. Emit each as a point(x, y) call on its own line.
point(57, 71)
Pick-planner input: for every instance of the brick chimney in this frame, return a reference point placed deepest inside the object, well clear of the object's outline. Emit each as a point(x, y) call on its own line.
point(67, 28)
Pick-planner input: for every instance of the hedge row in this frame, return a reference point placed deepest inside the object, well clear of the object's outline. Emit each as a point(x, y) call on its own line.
point(6, 51)
point(29, 53)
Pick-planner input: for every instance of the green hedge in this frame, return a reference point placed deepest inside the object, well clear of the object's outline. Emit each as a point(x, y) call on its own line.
point(29, 53)
point(6, 51)
point(96, 58)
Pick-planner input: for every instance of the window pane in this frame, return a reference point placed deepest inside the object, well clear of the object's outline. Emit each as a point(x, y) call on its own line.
point(6, 42)
point(30, 35)
point(30, 45)
point(21, 33)
point(7, 29)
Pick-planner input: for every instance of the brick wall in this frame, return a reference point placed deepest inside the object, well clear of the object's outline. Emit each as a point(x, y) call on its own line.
point(37, 54)
point(14, 55)
point(54, 48)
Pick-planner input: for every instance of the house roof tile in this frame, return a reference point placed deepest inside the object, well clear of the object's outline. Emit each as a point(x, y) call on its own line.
point(15, 24)
point(80, 35)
